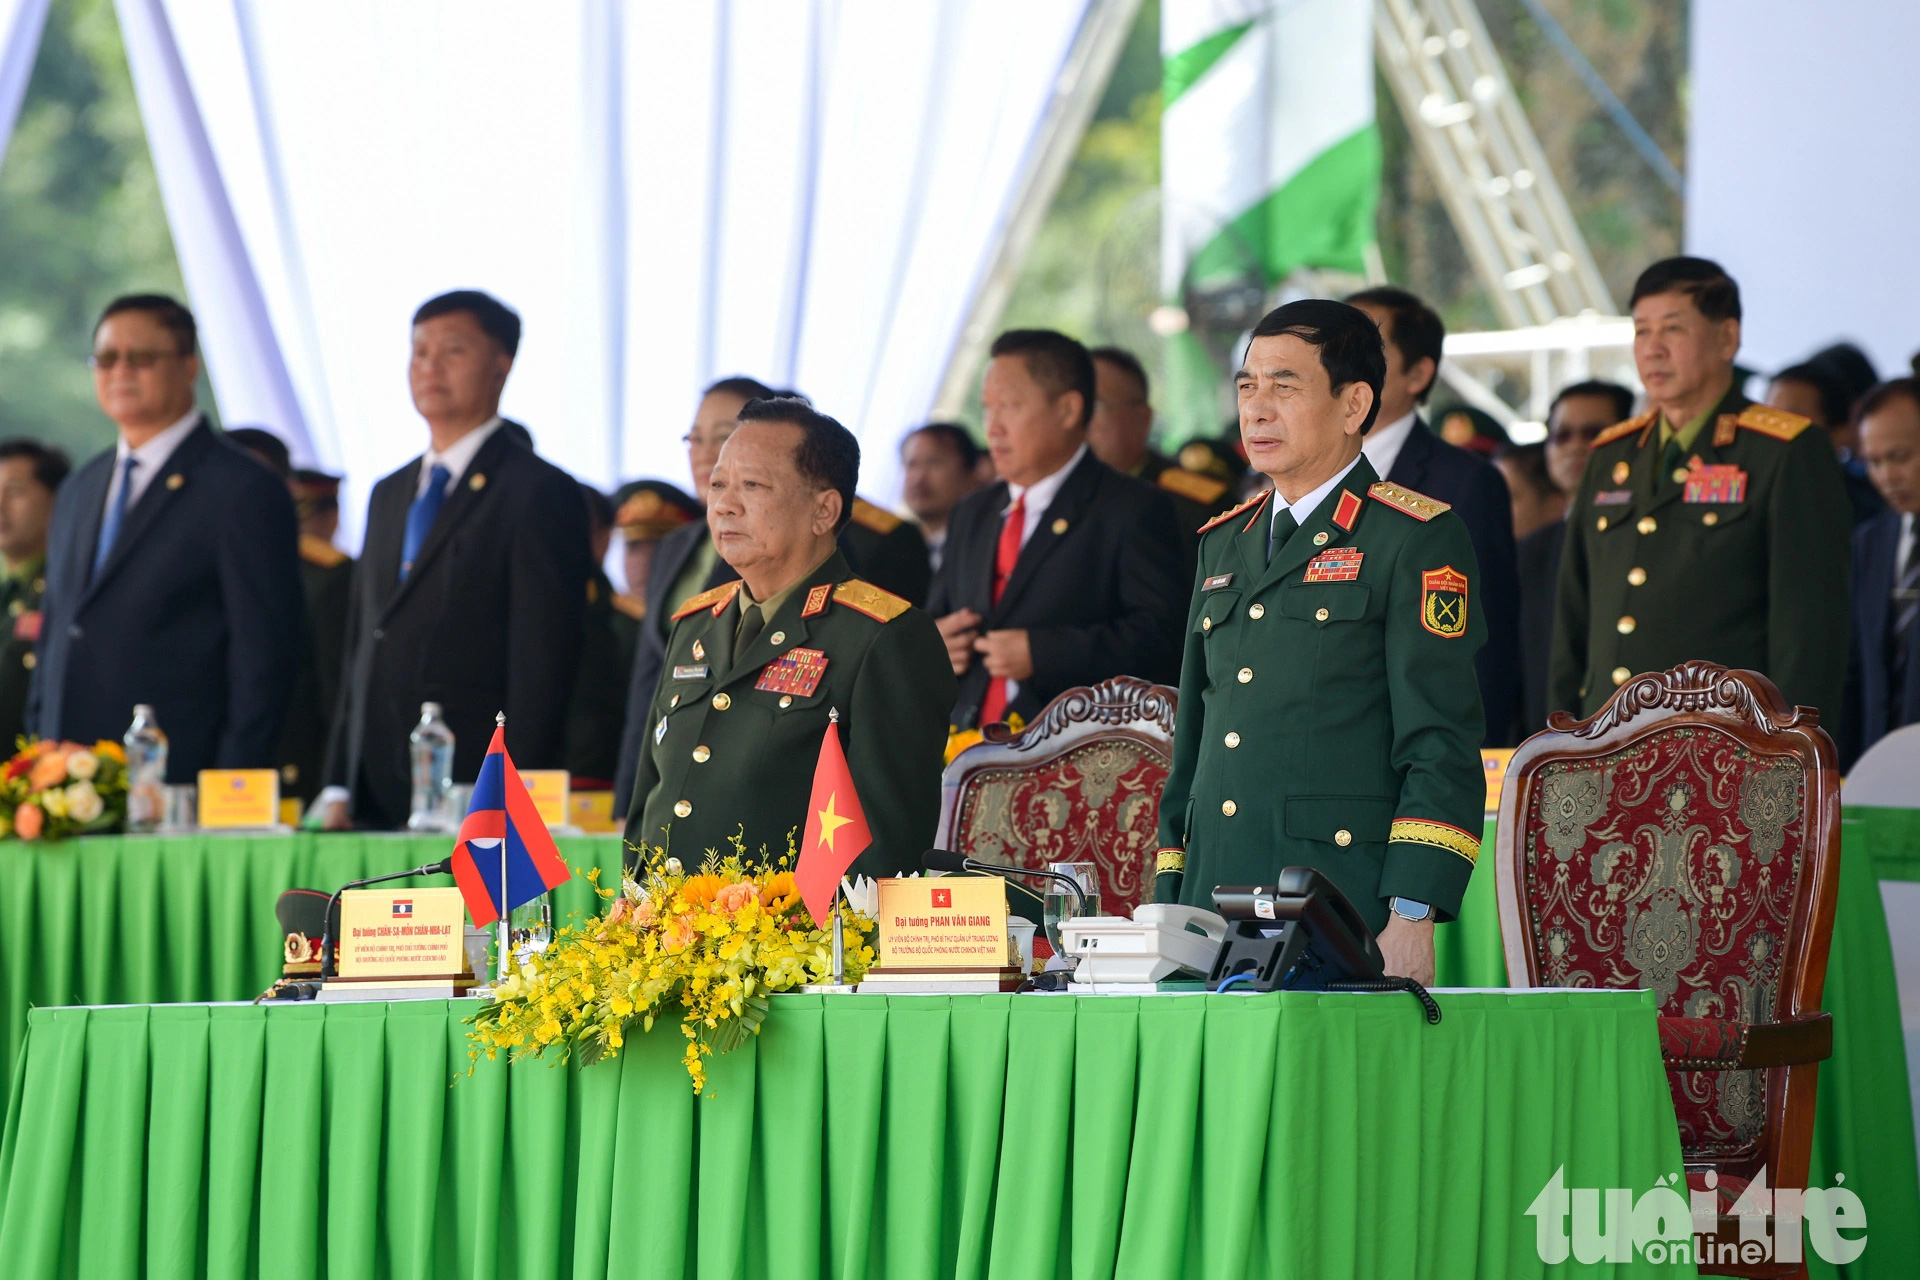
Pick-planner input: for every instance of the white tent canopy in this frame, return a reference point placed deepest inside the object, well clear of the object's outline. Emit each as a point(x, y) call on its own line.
point(803, 192)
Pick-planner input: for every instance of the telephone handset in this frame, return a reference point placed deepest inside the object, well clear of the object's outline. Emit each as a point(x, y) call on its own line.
point(1269, 928)
point(1175, 916)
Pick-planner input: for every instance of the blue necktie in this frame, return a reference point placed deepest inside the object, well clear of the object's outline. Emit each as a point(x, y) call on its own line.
point(420, 516)
point(116, 514)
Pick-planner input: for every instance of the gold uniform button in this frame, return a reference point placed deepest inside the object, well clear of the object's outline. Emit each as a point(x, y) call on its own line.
point(1679, 475)
point(1233, 740)
point(28, 659)
point(778, 637)
point(682, 808)
point(1320, 538)
point(1625, 626)
point(721, 702)
point(1601, 524)
point(1319, 615)
point(1647, 524)
point(701, 755)
point(1206, 624)
point(1636, 577)
point(1229, 808)
point(1710, 519)
point(1246, 675)
point(786, 700)
point(17, 608)
point(1343, 837)
point(1256, 611)
point(1620, 675)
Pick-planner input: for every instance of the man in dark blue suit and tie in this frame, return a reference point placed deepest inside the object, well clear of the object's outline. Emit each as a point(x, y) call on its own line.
point(173, 575)
point(1886, 568)
point(1406, 452)
point(472, 586)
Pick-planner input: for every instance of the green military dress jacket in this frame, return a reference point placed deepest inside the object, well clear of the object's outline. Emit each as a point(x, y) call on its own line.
point(732, 740)
point(1329, 715)
point(21, 591)
point(1741, 560)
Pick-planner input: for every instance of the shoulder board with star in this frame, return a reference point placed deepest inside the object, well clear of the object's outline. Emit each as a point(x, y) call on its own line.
point(320, 552)
point(1621, 430)
point(631, 605)
point(1769, 421)
point(878, 519)
point(1231, 512)
point(717, 599)
point(1204, 490)
point(864, 597)
point(1405, 500)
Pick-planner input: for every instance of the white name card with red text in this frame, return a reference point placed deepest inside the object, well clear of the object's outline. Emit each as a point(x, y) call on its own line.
point(945, 922)
point(402, 933)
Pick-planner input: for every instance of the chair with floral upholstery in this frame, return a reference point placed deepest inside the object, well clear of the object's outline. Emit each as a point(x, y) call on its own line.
point(1686, 840)
point(1081, 783)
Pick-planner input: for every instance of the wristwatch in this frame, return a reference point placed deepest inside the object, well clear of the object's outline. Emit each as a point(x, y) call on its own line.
point(1408, 909)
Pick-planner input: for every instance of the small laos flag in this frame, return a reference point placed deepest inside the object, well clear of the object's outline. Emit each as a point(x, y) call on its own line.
point(501, 814)
point(836, 830)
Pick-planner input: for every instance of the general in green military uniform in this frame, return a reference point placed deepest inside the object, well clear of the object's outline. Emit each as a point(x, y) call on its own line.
point(755, 667)
point(1329, 715)
point(30, 474)
point(1725, 539)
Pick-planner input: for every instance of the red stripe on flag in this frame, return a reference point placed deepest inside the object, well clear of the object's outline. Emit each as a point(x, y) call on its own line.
point(480, 903)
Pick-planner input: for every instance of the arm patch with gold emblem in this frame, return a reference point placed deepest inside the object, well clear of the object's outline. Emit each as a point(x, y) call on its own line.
point(1406, 501)
point(881, 606)
point(1443, 602)
point(717, 599)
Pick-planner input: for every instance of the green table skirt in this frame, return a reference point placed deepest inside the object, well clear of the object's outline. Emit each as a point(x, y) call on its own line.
point(1289, 1135)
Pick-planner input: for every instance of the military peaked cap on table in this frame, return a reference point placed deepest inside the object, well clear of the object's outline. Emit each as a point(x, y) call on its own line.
point(1733, 551)
point(1329, 716)
point(731, 740)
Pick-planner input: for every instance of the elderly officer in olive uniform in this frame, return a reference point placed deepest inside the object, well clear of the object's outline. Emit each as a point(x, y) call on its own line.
point(1709, 527)
point(755, 667)
point(1329, 716)
point(30, 475)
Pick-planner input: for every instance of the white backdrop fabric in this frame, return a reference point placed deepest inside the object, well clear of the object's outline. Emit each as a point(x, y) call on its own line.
point(806, 193)
point(1799, 172)
point(21, 22)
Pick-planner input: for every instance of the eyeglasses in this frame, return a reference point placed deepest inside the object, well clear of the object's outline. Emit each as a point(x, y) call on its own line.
point(1567, 435)
point(107, 361)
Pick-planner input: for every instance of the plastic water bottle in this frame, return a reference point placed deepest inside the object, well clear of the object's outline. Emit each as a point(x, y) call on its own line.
point(431, 746)
point(146, 771)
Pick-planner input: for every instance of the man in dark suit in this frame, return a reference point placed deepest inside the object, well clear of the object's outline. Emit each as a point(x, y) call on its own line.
point(1580, 412)
point(1064, 572)
point(472, 586)
point(30, 477)
point(171, 573)
point(1405, 451)
point(1886, 568)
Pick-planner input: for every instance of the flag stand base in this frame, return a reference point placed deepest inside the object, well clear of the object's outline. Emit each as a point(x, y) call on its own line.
point(826, 989)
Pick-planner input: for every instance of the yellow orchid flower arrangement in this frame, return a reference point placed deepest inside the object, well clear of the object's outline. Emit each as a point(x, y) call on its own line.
point(707, 947)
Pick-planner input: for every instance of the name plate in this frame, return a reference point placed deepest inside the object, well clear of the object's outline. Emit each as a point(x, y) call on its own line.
point(1494, 761)
point(548, 787)
point(402, 933)
point(239, 798)
point(592, 812)
point(948, 922)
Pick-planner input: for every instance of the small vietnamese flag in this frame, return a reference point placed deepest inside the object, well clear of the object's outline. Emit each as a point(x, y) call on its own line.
point(836, 831)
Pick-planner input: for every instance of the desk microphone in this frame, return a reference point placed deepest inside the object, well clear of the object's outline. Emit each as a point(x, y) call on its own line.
point(441, 868)
point(947, 860)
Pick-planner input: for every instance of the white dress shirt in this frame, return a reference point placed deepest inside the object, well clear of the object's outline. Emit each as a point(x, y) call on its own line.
point(150, 459)
point(458, 456)
point(1382, 445)
point(1309, 503)
point(1039, 496)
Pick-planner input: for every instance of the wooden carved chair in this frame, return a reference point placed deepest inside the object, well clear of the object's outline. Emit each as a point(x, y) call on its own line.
point(1079, 784)
point(1686, 839)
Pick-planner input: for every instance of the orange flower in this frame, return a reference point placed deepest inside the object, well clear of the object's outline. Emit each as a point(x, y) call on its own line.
point(28, 821)
point(700, 890)
point(111, 750)
point(735, 897)
point(643, 914)
point(619, 911)
point(678, 935)
point(49, 769)
point(777, 892)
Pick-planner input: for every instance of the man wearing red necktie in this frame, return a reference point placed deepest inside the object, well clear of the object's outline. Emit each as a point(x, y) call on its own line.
point(1066, 572)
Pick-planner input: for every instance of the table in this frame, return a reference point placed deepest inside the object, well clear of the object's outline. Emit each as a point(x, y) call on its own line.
point(142, 919)
point(858, 1136)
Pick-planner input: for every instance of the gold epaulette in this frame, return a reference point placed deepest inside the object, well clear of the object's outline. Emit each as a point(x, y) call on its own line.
point(633, 606)
point(881, 606)
point(318, 551)
point(1402, 499)
point(878, 519)
point(1204, 490)
point(1231, 512)
point(717, 599)
point(1769, 421)
point(1620, 430)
